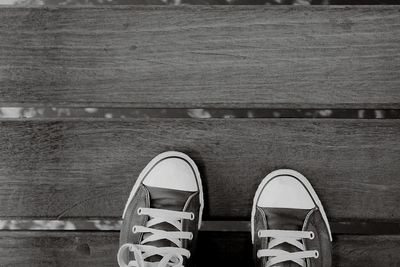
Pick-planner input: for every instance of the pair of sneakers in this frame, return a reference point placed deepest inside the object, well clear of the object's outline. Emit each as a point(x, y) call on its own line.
point(289, 227)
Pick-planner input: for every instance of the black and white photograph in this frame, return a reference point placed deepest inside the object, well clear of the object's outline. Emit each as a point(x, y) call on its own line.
point(199, 133)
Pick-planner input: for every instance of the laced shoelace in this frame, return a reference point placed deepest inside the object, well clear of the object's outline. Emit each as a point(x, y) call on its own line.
point(278, 237)
point(171, 256)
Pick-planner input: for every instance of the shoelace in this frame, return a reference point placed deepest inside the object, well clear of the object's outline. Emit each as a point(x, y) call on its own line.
point(292, 237)
point(171, 256)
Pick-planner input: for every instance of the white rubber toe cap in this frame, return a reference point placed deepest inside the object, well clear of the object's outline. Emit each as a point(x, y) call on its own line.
point(285, 192)
point(172, 173)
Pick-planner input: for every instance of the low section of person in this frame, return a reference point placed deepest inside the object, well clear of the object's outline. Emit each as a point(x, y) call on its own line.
point(163, 214)
point(289, 226)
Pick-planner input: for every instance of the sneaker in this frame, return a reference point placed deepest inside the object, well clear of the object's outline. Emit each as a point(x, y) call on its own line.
point(289, 227)
point(163, 214)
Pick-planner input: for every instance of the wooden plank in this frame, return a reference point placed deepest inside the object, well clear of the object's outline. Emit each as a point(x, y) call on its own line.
point(215, 249)
point(289, 57)
point(86, 168)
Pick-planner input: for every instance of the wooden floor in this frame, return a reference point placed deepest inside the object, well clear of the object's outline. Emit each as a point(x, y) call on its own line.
point(81, 169)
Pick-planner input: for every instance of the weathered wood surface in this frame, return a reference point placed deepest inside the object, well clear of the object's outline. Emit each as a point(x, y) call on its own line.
point(201, 56)
point(86, 168)
point(215, 249)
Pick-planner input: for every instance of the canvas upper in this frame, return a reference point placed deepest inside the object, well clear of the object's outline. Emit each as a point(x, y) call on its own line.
point(289, 224)
point(163, 214)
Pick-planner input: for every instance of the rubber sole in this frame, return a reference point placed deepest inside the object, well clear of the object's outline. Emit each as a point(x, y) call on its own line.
point(157, 159)
point(303, 180)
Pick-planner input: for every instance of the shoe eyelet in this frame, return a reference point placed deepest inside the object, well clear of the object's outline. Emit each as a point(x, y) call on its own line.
point(139, 211)
point(191, 236)
point(134, 229)
point(312, 235)
point(316, 254)
point(192, 216)
point(259, 234)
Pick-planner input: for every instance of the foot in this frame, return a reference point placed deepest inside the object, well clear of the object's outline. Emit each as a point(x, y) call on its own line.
point(289, 226)
point(163, 214)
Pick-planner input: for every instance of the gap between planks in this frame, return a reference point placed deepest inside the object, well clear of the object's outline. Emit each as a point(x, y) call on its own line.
point(19, 112)
point(342, 227)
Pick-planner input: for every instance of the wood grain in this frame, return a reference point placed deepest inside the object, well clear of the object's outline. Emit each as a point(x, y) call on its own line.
point(86, 168)
point(289, 57)
point(100, 248)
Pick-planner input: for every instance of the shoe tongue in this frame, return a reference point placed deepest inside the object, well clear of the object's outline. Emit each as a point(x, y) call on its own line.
point(286, 219)
point(166, 199)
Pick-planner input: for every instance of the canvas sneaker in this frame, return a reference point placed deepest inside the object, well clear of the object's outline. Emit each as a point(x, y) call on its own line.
point(163, 214)
point(289, 226)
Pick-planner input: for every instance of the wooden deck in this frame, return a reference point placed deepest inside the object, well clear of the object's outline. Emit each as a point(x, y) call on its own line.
point(82, 169)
